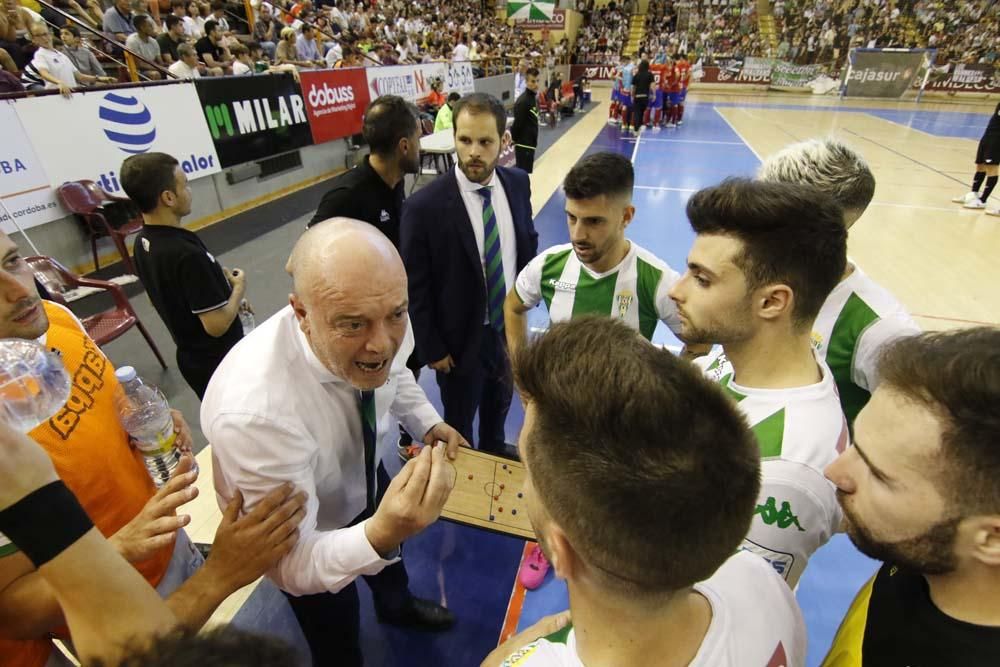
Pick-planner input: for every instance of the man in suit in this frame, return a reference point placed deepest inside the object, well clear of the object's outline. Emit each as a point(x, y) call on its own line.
point(464, 238)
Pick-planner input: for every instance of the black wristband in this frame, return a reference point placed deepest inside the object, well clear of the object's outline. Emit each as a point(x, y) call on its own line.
point(45, 522)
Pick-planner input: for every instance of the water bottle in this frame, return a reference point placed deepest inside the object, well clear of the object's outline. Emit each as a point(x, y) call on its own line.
point(145, 415)
point(34, 384)
point(246, 318)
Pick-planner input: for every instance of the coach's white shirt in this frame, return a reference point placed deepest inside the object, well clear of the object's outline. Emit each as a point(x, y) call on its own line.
point(274, 413)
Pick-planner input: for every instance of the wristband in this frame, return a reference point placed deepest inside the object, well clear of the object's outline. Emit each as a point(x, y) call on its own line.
point(45, 522)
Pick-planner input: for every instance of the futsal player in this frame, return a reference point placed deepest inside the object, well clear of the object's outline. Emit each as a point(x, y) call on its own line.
point(599, 272)
point(672, 89)
point(683, 68)
point(625, 95)
point(987, 159)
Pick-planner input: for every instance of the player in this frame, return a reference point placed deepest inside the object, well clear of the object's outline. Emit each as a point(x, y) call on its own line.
point(654, 115)
point(683, 68)
point(987, 159)
point(625, 96)
point(765, 257)
point(859, 318)
point(640, 480)
point(600, 272)
point(672, 89)
point(616, 99)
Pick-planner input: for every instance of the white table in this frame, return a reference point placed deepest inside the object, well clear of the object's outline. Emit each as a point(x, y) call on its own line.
point(440, 144)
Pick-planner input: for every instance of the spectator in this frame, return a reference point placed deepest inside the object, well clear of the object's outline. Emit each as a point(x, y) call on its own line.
point(219, 16)
point(444, 118)
point(117, 20)
point(187, 66)
point(194, 13)
point(286, 53)
point(461, 52)
point(266, 30)
point(335, 54)
point(142, 43)
point(307, 50)
point(211, 51)
point(242, 63)
point(53, 69)
point(79, 53)
point(170, 39)
point(178, 9)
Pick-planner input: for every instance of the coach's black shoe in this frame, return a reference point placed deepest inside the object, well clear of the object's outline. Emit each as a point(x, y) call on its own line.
point(420, 614)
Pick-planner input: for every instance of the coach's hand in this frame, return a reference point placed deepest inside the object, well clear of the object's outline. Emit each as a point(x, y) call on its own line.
point(444, 365)
point(413, 500)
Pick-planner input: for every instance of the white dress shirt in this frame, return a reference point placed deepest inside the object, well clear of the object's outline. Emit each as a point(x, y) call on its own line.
point(274, 413)
point(505, 225)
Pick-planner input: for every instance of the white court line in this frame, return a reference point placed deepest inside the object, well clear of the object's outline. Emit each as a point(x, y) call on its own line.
point(692, 141)
point(733, 128)
point(635, 151)
point(656, 187)
point(918, 206)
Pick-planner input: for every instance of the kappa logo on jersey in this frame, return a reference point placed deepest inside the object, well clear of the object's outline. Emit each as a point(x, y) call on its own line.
point(783, 518)
point(562, 286)
point(384, 216)
point(518, 658)
point(624, 301)
point(717, 369)
point(145, 244)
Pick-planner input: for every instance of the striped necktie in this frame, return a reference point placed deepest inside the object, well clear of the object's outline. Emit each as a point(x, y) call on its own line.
point(367, 407)
point(496, 287)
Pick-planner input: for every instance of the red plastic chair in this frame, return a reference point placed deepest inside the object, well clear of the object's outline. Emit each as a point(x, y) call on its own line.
point(86, 199)
point(105, 326)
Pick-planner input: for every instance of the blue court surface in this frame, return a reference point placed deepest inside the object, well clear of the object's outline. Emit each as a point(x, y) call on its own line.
point(473, 571)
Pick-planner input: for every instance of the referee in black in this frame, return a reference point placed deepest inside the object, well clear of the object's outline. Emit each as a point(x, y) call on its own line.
point(373, 192)
point(987, 160)
point(524, 131)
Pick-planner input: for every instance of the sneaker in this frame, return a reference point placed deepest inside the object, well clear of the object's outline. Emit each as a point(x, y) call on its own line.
point(679, 123)
point(975, 203)
point(407, 452)
point(968, 196)
point(533, 569)
point(670, 126)
point(993, 211)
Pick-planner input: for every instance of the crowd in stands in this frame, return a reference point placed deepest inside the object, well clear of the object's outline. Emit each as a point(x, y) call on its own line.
point(604, 34)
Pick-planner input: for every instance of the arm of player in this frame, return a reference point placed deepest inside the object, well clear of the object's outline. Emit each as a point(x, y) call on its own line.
point(796, 513)
point(255, 455)
point(526, 294)
point(501, 655)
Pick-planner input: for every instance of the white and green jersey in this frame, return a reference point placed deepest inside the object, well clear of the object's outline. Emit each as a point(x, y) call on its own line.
point(855, 323)
point(800, 431)
point(635, 291)
point(755, 623)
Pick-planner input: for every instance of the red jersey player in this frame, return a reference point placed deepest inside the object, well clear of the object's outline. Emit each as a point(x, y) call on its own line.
point(672, 88)
point(683, 68)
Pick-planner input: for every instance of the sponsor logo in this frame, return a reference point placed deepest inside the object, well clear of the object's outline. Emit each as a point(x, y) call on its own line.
point(127, 123)
point(783, 518)
point(12, 166)
point(404, 85)
point(326, 96)
point(562, 286)
point(781, 562)
point(881, 76)
point(242, 117)
point(384, 216)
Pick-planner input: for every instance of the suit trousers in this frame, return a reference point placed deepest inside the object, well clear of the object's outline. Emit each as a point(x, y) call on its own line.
point(331, 622)
point(483, 383)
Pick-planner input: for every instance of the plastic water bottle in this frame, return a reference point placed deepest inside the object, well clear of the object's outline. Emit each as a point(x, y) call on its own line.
point(34, 384)
point(246, 318)
point(145, 414)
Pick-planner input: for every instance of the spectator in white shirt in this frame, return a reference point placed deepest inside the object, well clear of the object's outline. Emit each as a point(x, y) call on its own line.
point(461, 51)
point(52, 68)
point(334, 55)
point(301, 399)
point(179, 9)
point(187, 66)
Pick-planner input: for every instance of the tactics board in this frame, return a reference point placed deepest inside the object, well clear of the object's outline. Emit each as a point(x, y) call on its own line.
point(488, 494)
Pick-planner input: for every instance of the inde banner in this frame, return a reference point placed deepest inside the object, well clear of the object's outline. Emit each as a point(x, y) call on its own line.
point(335, 102)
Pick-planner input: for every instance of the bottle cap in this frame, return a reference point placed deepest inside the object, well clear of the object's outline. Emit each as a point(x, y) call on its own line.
point(125, 374)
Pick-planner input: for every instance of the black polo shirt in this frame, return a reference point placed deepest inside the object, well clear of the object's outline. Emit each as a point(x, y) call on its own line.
point(168, 45)
point(182, 280)
point(362, 194)
point(205, 45)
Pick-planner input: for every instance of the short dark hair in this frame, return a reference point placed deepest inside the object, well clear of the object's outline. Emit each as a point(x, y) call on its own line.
point(139, 20)
point(225, 646)
point(145, 177)
point(531, 71)
point(172, 20)
point(388, 119)
point(791, 233)
point(604, 173)
point(218, 4)
point(454, 97)
point(174, 4)
point(627, 440)
point(210, 27)
point(956, 375)
point(476, 103)
point(73, 30)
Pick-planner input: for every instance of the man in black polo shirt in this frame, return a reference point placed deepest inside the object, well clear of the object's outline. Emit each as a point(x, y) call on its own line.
point(197, 299)
point(211, 51)
point(373, 192)
point(170, 39)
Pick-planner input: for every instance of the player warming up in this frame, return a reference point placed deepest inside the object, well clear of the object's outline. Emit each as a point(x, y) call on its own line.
point(987, 159)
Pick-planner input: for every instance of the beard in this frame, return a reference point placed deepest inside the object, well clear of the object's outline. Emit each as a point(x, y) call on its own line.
point(478, 173)
point(932, 552)
point(411, 166)
point(736, 328)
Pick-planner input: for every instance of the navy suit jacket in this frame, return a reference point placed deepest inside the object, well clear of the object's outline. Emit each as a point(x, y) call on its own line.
point(444, 268)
